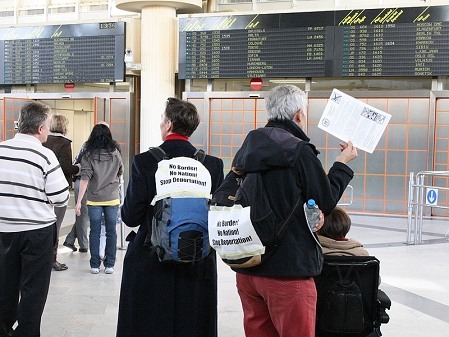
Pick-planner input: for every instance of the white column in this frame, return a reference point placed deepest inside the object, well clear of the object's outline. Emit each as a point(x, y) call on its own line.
point(158, 43)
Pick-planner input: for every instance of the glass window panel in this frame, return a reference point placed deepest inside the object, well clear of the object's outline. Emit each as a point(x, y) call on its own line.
point(417, 161)
point(215, 116)
point(226, 116)
point(215, 139)
point(380, 104)
point(396, 136)
point(441, 157)
point(442, 104)
point(398, 108)
point(226, 140)
point(442, 117)
point(394, 187)
point(226, 151)
point(237, 139)
point(226, 104)
point(215, 151)
point(249, 104)
point(215, 127)
point(247, 128)
point(417, 137)
point(396, 162)
point(237, 128)
point(375, 187)
point(261, 117)
point(375, 162)
point(440, 167)
point(238, 104)
point(419, 113)
point(441, 144)
point(248, 116)
point(374, 205)
point(442, 131)
point(395, 207)
point(215, 104)
point(237, 116)
point(356, 205)
point(226, 128)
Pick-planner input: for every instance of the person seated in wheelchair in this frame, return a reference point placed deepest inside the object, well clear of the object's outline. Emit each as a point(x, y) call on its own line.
point(332, 235)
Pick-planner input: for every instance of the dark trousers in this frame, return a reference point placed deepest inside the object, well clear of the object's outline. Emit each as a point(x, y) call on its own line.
point(25, 268)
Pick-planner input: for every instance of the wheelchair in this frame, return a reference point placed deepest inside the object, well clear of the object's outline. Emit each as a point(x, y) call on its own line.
point(360, 308)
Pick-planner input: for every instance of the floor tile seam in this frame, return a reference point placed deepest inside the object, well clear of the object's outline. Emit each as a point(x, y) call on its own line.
point(417, 302)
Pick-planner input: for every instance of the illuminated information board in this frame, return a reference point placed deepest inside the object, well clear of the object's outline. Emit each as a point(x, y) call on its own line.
point(89, 53)
point(409, 41)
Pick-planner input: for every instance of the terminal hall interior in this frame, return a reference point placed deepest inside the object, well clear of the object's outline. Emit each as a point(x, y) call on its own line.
point(119, 60)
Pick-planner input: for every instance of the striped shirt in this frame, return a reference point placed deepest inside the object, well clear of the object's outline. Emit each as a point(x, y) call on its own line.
point(31, 183)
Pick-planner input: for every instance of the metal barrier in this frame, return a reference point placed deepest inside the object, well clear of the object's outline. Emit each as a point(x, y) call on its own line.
point(349, 189)
point(419, 192)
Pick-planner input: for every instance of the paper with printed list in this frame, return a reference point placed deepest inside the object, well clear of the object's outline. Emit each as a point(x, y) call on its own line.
point(348, 118)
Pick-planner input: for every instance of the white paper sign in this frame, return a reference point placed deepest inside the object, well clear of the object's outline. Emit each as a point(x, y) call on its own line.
point(182, 177)
point(231, 233)
point(348, 118)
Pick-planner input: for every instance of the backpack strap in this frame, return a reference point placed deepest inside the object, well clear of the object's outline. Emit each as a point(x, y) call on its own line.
point(199, 155)
point(158, 153)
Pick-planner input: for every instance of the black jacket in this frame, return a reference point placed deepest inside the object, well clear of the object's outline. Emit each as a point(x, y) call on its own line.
point(62, 148)
point(157, 299)
point(291, 172)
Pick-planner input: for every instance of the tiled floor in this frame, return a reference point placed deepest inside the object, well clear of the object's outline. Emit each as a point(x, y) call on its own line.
point(416, 277)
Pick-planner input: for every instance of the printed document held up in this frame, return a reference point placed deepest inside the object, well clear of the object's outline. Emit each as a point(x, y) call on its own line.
point(350, 119)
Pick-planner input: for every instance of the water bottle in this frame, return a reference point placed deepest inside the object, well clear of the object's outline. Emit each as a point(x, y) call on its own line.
point(312, 213)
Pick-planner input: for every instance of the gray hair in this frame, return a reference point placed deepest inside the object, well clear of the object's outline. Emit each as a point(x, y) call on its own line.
point(32, 116)
point(284, 101)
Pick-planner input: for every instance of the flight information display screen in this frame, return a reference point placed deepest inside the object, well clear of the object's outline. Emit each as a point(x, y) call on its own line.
point(90, 53)
point(409, 41)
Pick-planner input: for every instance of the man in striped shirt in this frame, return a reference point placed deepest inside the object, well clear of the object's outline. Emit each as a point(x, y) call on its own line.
point(31, 183)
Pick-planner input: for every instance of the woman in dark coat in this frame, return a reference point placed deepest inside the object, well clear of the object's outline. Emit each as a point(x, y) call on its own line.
point(157, 299)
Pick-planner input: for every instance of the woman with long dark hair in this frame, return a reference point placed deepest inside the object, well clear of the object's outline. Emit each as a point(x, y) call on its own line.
point(101, 168)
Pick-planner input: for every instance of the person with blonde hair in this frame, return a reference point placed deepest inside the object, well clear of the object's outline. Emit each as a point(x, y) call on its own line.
point(62, 147)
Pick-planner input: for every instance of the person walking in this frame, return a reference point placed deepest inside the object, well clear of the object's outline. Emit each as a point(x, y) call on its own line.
point(79, 228)
point(62, 147)
point(279, 296)
point(101, 168)
point(32, 182)
point(158, 299)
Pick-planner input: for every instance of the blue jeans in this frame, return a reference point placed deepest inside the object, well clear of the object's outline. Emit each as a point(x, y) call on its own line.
point(110, 217)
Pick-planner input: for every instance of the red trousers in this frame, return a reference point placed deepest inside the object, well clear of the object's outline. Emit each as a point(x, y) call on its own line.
point(277, 307)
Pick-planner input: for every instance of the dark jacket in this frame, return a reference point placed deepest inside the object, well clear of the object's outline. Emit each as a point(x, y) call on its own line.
point(291, 174)
point(62, 148)
point(157, 299)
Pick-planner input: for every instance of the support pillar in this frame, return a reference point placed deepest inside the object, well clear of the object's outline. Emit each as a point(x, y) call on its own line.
point(158, 70)
point(158, 59)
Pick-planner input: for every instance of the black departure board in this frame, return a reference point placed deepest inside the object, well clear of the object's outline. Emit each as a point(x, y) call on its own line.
point(81, 53)
point(408, 41)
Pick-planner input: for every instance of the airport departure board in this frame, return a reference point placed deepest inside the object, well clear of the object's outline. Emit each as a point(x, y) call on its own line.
point(89, 53)
point(408, 41)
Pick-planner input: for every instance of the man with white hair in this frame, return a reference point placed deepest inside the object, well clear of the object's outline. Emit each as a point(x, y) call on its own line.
point(279, 295)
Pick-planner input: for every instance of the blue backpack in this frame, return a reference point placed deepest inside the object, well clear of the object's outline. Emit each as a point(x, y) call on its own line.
point(179, 226)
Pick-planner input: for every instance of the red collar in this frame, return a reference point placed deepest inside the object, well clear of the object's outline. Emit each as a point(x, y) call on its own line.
point(341, 239)
point(177, 136)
